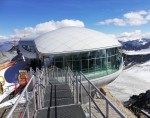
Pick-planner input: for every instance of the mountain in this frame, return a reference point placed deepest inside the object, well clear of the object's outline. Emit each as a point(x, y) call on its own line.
point(136, 51)
point(6, 45)
point(137, 44)
point(13, 48)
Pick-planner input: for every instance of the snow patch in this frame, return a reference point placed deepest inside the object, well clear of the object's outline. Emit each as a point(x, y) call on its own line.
point(132, 81)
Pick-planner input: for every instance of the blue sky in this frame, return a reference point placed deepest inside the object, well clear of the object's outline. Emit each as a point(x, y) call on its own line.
point(18, 14)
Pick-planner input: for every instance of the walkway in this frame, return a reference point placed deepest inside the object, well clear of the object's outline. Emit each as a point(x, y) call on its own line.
point(59, 102)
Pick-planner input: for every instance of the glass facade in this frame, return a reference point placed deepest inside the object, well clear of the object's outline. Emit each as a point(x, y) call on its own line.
point(93, 64)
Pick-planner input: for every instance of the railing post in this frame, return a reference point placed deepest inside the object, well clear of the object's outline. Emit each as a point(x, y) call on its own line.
point(47, 77)
point(39, 93)
point(27, 110)
point(80, 88)
point(30, 72)
point(77, 92)
point(66, 75)
point(57, 74)
point(89, 99)
point(34, 98)
point(73, 91)
point(107, 110)
point(52, 72)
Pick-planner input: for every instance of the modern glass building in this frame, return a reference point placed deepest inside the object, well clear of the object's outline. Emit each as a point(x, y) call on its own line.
point(94, 64)
point(94, 53)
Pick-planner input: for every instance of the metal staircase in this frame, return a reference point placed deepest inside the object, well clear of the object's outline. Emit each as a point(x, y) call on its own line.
point(57, 93)
point(59, 103)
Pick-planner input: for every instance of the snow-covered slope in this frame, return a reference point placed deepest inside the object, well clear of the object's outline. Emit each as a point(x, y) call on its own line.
point(132, 81)
point(136, 47)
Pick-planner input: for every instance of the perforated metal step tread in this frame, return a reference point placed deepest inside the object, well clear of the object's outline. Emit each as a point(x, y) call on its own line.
point(58, 94)
point(57, 87)
point(70, 111)
point(58, 102)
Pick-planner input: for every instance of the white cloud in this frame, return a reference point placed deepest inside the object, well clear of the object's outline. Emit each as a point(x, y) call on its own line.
point(116, 21)
point(31, 32)
point(47, 26)
point(129, 19)
point(137, 34)
point(3, 37)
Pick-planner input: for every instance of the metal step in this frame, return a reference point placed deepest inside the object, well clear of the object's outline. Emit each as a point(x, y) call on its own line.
point(57, 87)
point(58, 94)
point(58, 102)
point(53, 82)
point(70, 111)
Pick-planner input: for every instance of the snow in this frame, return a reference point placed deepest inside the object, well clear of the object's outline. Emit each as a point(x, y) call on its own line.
point(137, 52)
point(12, 101)
point(132, 81)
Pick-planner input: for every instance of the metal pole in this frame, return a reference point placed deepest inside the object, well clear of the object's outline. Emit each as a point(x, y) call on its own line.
point(27, 112)
point(66, 75)
point(107, 110)
point(73, 92)
point(39, 97)
point(34, 98)
point(77, 92)
point(80, 89)
point(57, 73)
point(90, 100)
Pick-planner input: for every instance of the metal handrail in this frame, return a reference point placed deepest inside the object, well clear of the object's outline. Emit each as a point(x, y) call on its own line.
point(103, 96)
point(17, 102)
point(92, 100)
point(69, 73)
point(72, 80)
point(38, 81)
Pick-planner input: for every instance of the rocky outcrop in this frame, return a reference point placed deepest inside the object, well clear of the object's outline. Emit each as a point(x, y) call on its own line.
point(139, 104)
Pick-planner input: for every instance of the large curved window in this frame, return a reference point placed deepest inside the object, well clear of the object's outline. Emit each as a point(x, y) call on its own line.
point(93, 64)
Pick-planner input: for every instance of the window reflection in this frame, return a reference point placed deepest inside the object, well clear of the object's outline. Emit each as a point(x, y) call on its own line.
point(94, 64)
point(29, 48)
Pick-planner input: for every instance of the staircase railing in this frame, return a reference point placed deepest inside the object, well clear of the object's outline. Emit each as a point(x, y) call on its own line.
point(84, 92)
point(82, 89)
point(30, 99)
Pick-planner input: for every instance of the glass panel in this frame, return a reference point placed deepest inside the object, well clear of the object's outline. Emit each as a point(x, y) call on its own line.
point(103, 53)
point(58, 58)
point(85, 65)
point(104, 65)
point(94, 64)
point(59, 64)
point(68, 57)
point(111, 51)
point(92, 54)
point(98, 64)
point(29, 48)
point(76, 66)
point(76, 56)
point(84, 55)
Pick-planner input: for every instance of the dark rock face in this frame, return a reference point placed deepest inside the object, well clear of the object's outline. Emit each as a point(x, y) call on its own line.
point(138, 44)
point(139, 102)
point(136, 58)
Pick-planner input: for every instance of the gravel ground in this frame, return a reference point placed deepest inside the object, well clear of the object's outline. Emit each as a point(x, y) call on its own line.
point(102, 105)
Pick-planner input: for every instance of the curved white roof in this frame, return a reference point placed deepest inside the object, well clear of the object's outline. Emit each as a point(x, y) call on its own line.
point(73, 39)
